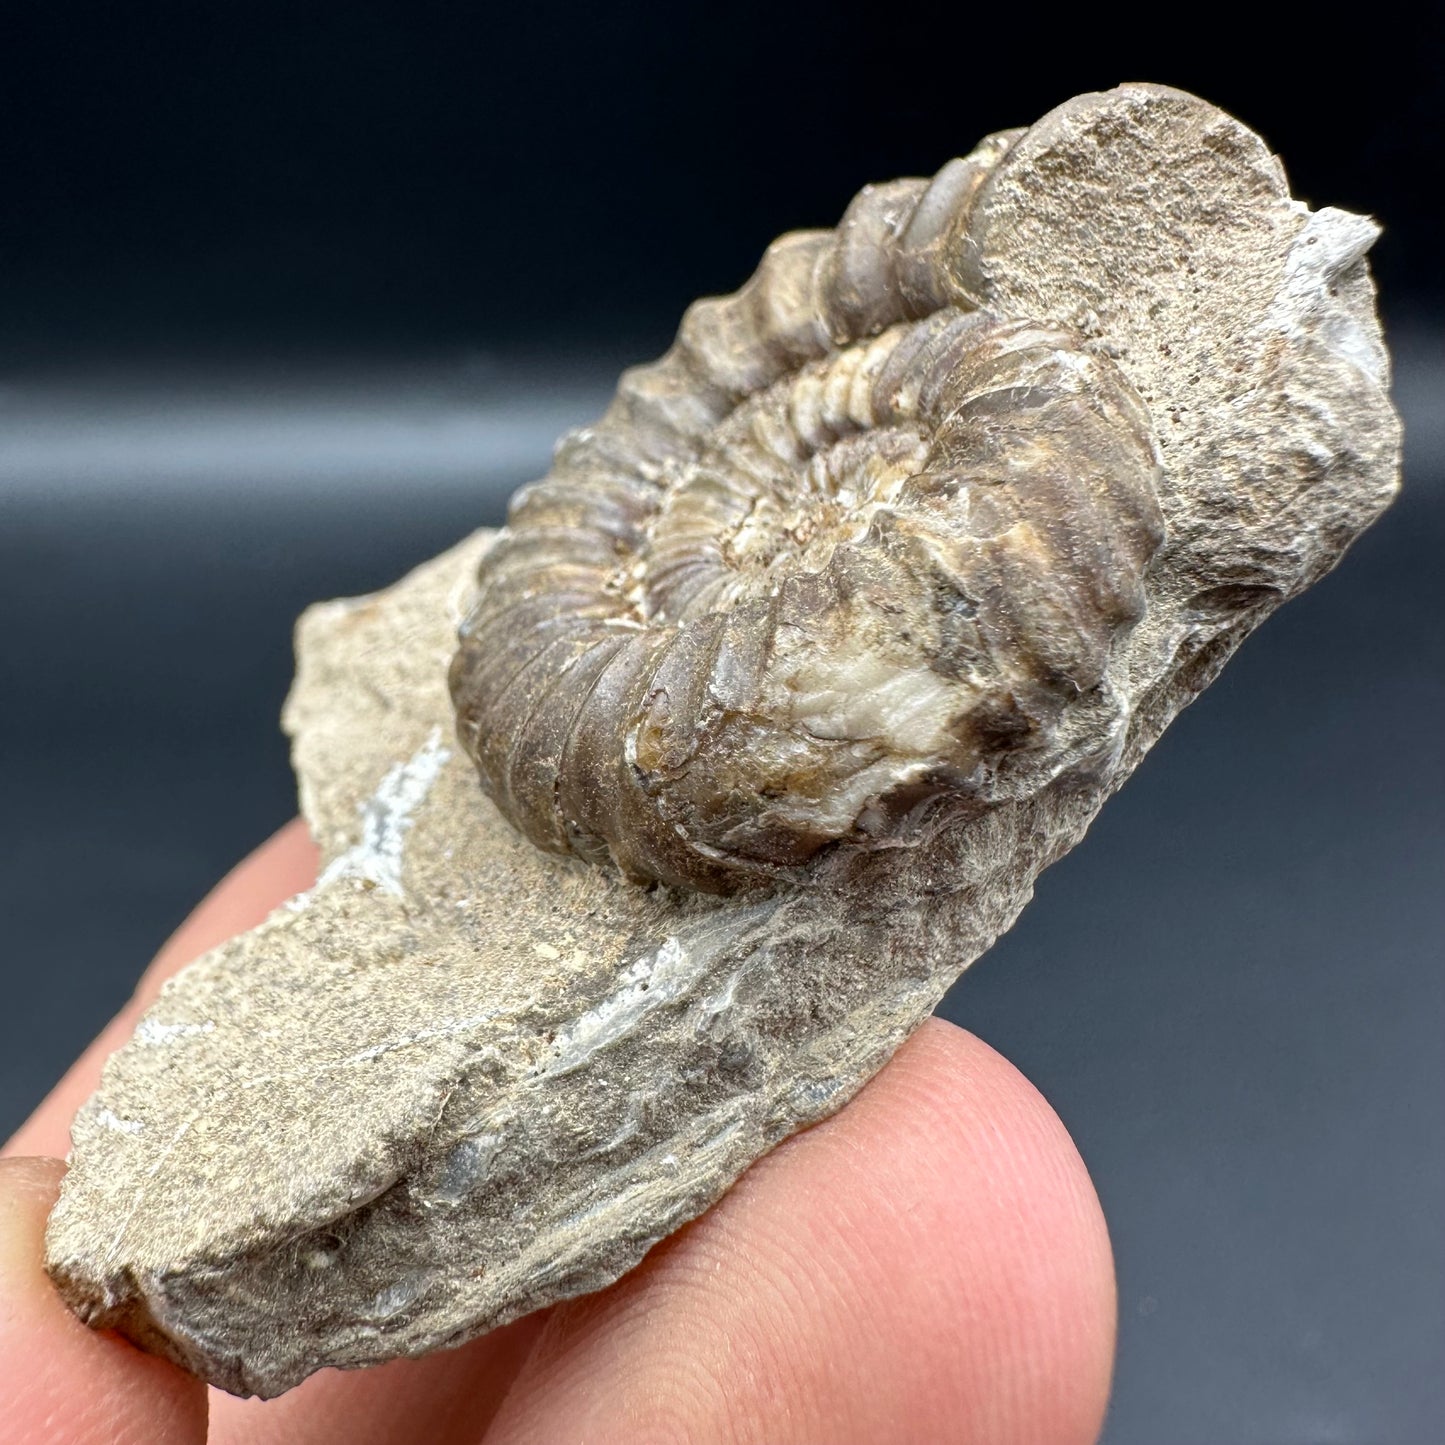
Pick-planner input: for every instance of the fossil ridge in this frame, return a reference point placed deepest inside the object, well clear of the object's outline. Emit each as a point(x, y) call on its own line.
point(463, 1077)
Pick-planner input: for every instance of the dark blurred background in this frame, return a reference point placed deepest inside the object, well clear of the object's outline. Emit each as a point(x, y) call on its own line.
point(291, 296)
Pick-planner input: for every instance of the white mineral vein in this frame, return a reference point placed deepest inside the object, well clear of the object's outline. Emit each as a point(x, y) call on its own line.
point(386, 818)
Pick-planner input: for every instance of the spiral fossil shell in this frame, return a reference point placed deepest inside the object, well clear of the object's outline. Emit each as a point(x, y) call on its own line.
point(853, 544)
point(842, 590)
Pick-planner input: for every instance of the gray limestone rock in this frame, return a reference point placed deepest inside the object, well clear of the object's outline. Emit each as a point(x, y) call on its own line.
point(462, 1078)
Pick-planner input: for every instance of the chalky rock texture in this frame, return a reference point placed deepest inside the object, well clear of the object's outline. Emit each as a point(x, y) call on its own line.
point(463, 1076)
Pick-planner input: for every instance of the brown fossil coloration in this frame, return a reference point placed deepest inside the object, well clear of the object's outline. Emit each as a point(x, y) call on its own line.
point(846, 620)
point(853, 544)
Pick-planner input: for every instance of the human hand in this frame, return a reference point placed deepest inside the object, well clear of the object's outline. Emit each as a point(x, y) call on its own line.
point(929, 1265)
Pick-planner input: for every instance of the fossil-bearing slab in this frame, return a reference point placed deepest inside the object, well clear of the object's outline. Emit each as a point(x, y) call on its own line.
point(652, 825)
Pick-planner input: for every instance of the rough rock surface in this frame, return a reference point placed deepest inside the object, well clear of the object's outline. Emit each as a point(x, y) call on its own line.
point(460, 1078)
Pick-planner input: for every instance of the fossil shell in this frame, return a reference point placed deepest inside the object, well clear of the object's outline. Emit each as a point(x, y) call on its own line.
point(465, 1077)
point(854, 543)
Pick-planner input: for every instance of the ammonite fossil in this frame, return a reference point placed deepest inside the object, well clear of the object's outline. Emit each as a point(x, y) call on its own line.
point(840, 626)
point(854, 543)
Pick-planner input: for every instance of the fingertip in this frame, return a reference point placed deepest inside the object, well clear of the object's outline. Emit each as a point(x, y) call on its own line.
point(59, 1380)
point(1008, 1186)
point(958, 1216)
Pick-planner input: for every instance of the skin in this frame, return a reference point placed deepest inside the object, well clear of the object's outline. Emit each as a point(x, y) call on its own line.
point(929, 1265)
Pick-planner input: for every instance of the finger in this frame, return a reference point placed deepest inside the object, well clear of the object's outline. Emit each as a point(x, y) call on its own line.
point(929, 1265)
point(61, 1383)
point(280, 868)
point(445, 1399)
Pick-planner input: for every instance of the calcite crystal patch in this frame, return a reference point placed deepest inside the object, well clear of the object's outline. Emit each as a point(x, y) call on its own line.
point(771, 704)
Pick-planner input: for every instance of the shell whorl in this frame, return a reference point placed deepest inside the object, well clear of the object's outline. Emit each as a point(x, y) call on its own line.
point(852, 544)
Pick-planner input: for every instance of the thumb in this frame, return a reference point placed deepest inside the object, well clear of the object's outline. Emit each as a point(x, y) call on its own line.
point(60, 1382)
